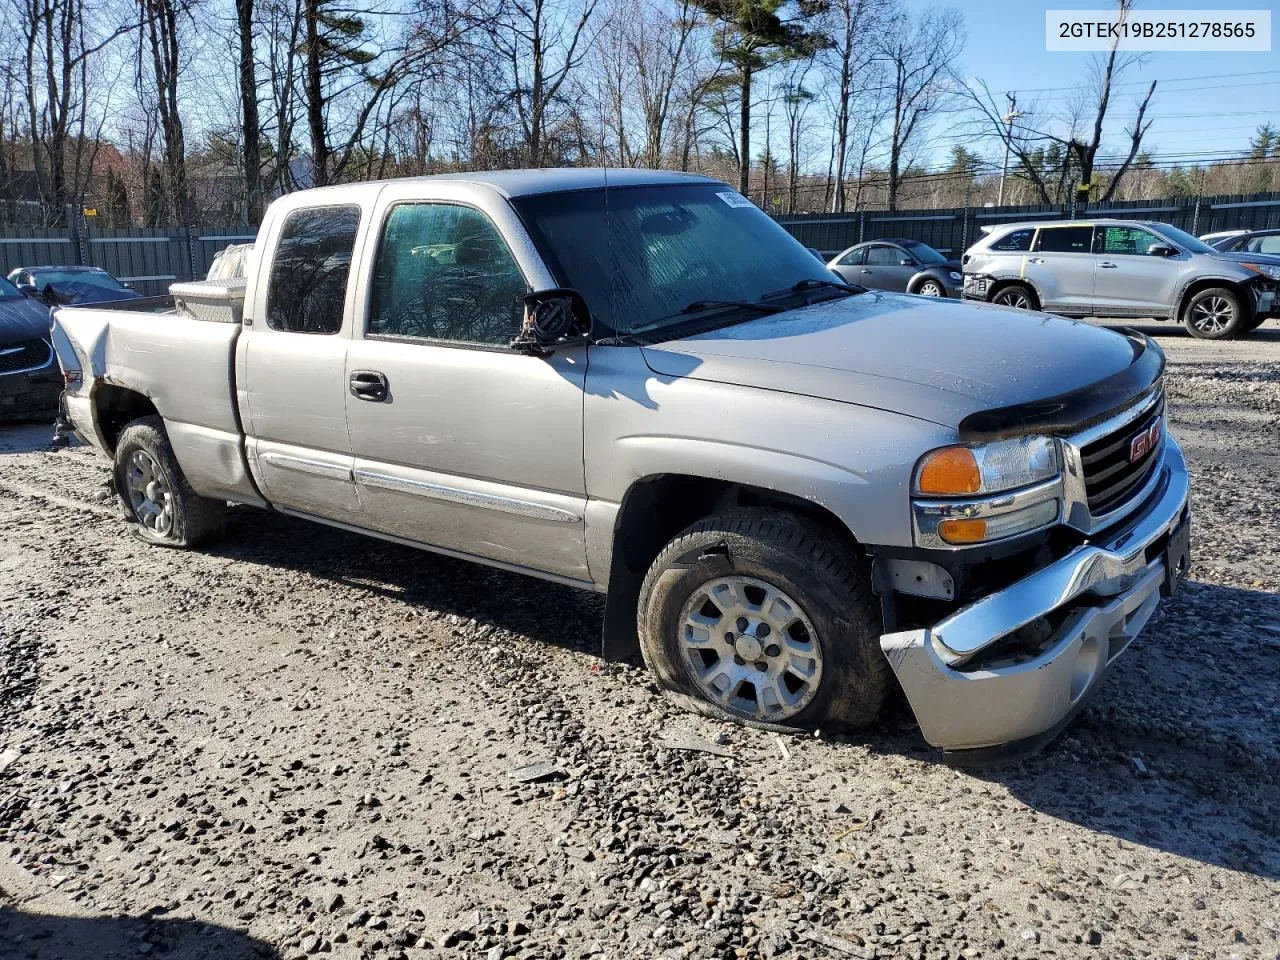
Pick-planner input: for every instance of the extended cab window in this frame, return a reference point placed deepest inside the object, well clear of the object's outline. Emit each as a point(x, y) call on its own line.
point(1017, 240)
point(1064, 240)
point(443, 272)
point(308, 283)
point(1130, 240)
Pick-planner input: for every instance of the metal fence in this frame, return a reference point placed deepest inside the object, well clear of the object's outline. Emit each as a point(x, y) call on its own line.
point(147, 259)
point(954, 230)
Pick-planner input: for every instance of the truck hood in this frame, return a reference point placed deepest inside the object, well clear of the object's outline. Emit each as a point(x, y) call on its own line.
point(21, 320)
point(937, 360)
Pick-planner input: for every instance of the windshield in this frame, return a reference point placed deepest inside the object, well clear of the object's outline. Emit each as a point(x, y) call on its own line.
point(8, 291)
point(90, 278)
point(1184, 239)
point(659, 249)
point(924, 253)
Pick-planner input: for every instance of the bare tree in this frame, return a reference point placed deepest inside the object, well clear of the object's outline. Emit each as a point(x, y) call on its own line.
point(849, 24)
point(159, 41)
point(919, 51)
point(542, 44)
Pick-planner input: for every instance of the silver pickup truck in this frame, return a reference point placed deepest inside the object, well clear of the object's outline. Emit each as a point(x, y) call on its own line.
point(793, 490)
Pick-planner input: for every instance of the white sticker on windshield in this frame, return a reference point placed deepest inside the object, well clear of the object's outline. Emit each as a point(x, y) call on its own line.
point(734, 199)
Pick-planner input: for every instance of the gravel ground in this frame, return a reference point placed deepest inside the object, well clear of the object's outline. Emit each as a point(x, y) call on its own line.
point(303, 742)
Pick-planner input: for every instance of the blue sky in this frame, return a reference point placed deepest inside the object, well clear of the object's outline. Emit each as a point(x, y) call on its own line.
point(1215, 115)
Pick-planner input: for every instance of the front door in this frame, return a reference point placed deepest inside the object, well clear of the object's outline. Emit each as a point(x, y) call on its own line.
point(1060, 267)
point(463, 443)
point(885, 269)
point(1130, 280)
point(291, 366)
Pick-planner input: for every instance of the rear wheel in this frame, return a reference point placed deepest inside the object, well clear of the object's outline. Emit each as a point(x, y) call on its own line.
point(1016, 295)
point(1215, 313)
point(766, 619)
point(158, 502)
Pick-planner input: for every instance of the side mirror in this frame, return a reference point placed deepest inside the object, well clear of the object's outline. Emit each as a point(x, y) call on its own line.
point(1162, 250)
point(28, 290)
point(552, 318)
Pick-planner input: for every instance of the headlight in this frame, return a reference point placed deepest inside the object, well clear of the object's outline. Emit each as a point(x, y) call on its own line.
point(987, 468)
point(1266, 269)
point(955, 276)
point(978, 494)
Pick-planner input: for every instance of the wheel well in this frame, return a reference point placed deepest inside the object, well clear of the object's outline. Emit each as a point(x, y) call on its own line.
point(1196, 286)
point(657, 508)
point(1002, 284)
point(115, 407)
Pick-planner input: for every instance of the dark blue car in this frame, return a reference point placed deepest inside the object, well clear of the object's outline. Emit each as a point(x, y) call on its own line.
point(30, 381)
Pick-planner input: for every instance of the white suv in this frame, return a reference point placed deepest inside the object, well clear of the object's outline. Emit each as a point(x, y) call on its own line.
point(1123, 268)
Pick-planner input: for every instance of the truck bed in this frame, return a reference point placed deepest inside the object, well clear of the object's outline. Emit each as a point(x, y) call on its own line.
point(185, 367)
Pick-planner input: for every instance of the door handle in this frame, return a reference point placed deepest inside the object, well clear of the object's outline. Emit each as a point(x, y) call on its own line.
point(865, 270)
point(369, 385)
point(1107, 265)
point(1035, 259)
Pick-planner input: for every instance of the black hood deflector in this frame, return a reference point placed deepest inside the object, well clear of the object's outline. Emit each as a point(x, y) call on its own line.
point(1076, 409)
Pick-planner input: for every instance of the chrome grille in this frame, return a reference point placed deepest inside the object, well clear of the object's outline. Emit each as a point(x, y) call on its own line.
point(1110, 476)
point(24, 356)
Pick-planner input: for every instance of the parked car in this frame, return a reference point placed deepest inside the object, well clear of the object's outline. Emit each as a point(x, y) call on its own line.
point(791, 489)
point(70, 285)
point(904, 265)
point(1123, 268)
point(1213, 239)
point(1248, 241)
point(30, 381)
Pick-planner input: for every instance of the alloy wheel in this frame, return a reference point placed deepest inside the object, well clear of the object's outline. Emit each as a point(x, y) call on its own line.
point(149, 493)
point(1013, 298)
point(930, 289)
point(750, 648)
point(1212, 315)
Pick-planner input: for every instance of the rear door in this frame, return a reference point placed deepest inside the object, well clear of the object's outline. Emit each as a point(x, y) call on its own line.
point(1129, 280)
point(1060, 266)
point(468, 446)
point(291, 364)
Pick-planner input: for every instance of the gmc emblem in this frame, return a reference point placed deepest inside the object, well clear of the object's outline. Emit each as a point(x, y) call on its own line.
point(1144, 443)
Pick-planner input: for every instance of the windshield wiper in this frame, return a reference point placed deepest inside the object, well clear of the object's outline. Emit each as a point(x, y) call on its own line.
point(699, 306)
point(812, 284)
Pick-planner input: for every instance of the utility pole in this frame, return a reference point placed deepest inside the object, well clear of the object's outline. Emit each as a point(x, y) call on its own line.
point(1008, 119)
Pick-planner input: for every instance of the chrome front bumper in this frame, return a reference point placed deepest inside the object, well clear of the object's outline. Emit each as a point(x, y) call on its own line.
point(1111, 587)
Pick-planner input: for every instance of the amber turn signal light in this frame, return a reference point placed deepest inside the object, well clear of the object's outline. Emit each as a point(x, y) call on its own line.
point(963, 531)
point(949, 471)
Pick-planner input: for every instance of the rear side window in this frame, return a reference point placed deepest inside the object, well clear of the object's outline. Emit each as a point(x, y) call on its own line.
point(884, 256)
point(1017, 240)
point(1065, 240)
point(308, 283)
point(855, 257)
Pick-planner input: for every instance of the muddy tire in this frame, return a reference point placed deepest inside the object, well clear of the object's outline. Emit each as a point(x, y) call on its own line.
point(159, 504)
point(767, 619)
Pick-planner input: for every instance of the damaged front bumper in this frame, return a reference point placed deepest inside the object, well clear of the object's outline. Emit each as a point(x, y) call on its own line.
point(1080, 611)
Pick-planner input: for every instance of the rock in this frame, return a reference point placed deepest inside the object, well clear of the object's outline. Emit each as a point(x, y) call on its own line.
point(1128, 881)
point(1139, 767)
point(839, 944)
point(1030, 935)
point(1093, 938)
point(540, 771)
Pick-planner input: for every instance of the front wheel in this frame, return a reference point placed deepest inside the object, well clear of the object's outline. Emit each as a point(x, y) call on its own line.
point(159, 503)
point(1215, 313)
point(931, 288)
point(764, 618)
